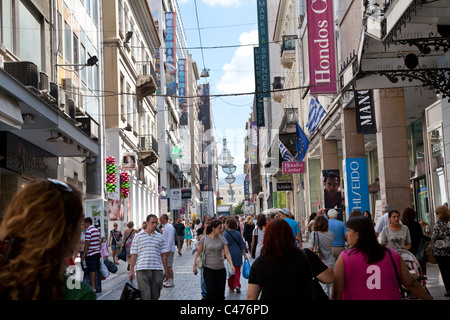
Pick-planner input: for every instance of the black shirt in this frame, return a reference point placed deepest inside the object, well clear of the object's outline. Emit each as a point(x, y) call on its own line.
point(286, 279)
point(179, 227)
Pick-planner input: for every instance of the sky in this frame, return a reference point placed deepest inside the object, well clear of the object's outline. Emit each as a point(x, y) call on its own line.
point(230, 23)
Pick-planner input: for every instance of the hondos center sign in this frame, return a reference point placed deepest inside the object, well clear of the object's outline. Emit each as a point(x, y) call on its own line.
point(321, 48)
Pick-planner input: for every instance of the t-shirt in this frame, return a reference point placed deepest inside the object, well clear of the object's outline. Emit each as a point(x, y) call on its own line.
point(382, 222)
point(395, 239)
point(78, 290)
point(213, 248)
point(325, 240)
point(169, 236)
point(370, 282)
point(93, 235)
point(294, 226)
point(235, 244)
point(180, 229)
point(148, 249)
point(287, 279)
point(339, 229)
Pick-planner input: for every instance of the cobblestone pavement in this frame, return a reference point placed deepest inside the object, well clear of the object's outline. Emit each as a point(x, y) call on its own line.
point(187, 285)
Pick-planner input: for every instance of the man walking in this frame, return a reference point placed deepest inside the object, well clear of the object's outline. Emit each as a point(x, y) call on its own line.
point(339, 229)
point(91, 253)
point(179, 227)
point(383, 220)
point(169, 236)
point(149, 260)
point(294, 225)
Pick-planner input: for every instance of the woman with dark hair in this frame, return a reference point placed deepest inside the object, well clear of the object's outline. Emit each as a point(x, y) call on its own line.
point(236, 245)
point(395, 235)
point(39, 232)
point(409, 219)
point(281, 272)
point(440, 241)
point(258, 235)
point(369, 270)
point(214, 272)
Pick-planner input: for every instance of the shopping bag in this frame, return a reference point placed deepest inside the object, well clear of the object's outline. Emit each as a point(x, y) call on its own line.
point(110, 265)
point(104, 269)
point(227, 267)
point(130, 293)
point(123, 254)
point(246, 269)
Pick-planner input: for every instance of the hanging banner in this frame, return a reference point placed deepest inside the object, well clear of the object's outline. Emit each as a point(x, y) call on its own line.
point(182, 102)
point(253, 154)
point(263, 36)
point(258, 88)
point(356, 185)
point(365, 112)
point(321, 48)
point(171, 57)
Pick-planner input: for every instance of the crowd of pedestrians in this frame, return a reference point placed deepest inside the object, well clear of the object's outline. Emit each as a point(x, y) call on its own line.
point(358, 259)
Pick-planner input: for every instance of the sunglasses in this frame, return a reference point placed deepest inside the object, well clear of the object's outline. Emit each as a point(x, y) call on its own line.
point(65, 189)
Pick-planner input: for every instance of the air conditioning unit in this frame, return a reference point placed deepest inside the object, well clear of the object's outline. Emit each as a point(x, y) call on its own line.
point(54, 91)
point(44, 83)
point(144, 143)
point(70, 109)
point(25, 72)
point(88, 126)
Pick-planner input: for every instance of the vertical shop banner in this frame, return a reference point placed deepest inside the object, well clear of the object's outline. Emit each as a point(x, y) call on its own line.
point(263, 36)
point(171, 57)
point(253, 154)
point(356, 185)
point(365, 112)
point(321, 47)
point(155, 16)
point(182, 102)
point(258, 88)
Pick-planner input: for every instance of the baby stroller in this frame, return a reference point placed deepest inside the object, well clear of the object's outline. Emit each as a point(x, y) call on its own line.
point(414, 269)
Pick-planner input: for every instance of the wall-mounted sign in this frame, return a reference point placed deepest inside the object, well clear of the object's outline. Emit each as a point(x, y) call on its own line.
point(285, 186)
point(290, 167)
point(356, 185)
point(365, 112)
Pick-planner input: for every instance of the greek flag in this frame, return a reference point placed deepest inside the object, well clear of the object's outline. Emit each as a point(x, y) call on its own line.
point(287, 156)
point(316, 113)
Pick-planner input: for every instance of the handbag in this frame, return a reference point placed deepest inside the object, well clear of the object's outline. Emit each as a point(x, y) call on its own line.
point(317, 292)
point(130, 293)
point(123, 252)
point(316, 248)
point(400, 287)
point(430, 255)
point(246, 269)
point(201, 260)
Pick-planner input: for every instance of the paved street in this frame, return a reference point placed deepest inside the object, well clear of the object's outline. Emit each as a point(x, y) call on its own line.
point(187, 285)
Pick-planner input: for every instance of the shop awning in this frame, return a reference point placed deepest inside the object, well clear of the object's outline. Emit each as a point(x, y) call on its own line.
point(10, 115)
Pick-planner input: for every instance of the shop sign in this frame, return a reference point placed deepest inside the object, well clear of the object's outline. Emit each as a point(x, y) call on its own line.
point(365, 112)
point(356, 185)
point(285, 186)
point(291, 167)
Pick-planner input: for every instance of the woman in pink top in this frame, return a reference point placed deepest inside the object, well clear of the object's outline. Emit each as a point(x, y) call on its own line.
point(366, 270)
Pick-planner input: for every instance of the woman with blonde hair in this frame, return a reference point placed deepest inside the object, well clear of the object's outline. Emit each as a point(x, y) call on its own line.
point(39, 231)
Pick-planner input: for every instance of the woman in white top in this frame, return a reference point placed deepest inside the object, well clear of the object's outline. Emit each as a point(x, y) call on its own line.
point(395, 235)
point(259, 232)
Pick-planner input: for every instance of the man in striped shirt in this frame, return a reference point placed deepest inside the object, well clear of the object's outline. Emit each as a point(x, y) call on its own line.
point(91, 252)
point(149, 259)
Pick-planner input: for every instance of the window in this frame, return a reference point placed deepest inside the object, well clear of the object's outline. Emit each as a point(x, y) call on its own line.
point(83, 58)
point(76, 59)
point(122, 96)
point(67, 43)
point(121, 16)
point(29, 27)
point(95, 12)
point(60, 34)
point(7, 24)
point(129, 106)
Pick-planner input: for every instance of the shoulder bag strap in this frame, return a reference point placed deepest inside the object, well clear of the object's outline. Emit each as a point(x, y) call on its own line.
point(232, 237)
point(400, 287)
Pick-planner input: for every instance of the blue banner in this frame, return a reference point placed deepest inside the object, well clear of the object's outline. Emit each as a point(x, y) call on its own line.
point(356, 185)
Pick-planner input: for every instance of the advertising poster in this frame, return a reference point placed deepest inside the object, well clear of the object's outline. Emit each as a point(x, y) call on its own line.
point(331, 182)
point(356, 185)
point(171, 67)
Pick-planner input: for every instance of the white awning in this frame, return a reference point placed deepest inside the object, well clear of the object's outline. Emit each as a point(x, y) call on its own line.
point(10, 114)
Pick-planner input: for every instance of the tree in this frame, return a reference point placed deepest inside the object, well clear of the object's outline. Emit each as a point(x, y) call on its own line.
point(239, 209)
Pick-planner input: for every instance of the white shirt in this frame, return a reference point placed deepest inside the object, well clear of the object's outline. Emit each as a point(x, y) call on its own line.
point(169, 235)
point(382, 222)
point(148, 249)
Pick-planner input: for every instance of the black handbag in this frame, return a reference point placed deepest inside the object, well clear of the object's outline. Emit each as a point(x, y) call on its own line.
point(123, 252)
point(130, 293)
point(110, 265)
point(317, 292)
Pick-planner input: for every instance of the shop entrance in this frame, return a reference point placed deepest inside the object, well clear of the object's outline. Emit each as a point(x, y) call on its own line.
point(421, 200)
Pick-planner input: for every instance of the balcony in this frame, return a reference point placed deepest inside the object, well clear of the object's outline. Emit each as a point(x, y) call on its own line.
point(148, 150)
point(146, 81)
point(277, 87)
point(288, 51)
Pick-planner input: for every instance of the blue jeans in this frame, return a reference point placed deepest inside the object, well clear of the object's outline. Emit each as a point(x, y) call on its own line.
point(202, 284)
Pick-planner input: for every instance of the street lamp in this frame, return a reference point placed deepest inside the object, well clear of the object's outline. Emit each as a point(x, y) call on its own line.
point(89, 63)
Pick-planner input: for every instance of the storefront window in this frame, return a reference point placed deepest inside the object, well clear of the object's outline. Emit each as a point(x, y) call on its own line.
point(437, 169)
point(416, 149)
point(315, 187)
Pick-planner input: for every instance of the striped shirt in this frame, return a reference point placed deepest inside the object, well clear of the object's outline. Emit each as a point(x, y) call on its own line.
point(93, 235)
point(148, 249)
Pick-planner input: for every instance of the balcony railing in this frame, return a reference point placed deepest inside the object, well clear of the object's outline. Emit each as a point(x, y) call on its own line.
point(148, 147)
point(146, 81)
point(288, 50)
